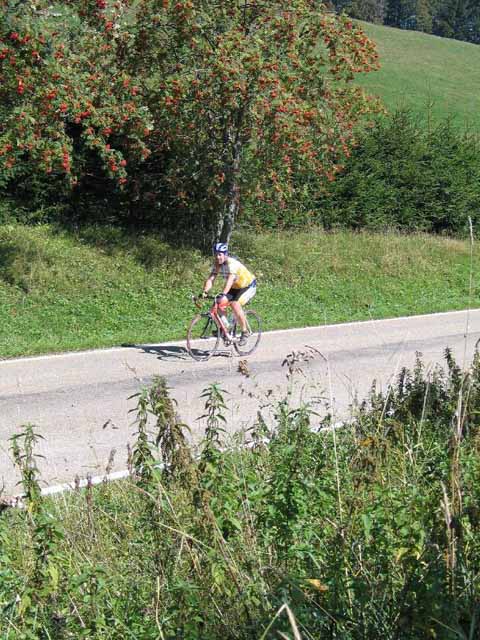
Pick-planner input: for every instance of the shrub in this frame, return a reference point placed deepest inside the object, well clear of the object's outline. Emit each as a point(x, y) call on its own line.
point(404, 175)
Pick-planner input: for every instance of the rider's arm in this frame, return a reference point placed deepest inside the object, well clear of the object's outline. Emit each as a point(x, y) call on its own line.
point(228, 283)
point(209, 281)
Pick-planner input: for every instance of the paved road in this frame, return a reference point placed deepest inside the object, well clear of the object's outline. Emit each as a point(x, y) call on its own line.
point(79, 401)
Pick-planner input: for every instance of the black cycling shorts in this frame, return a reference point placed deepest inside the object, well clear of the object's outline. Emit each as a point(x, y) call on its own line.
point(235, 294)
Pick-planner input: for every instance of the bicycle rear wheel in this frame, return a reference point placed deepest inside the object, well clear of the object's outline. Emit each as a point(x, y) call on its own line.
point(202, 337)
point(254, 326)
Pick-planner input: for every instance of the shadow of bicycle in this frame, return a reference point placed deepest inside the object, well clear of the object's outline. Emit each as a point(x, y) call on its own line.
point(170, 351)
point(163, 352)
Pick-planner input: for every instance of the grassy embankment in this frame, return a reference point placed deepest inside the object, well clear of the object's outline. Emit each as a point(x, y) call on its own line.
point(426, 73)
point(101, 288)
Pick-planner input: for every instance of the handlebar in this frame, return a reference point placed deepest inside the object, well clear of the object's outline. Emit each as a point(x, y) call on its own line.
point(197, 300)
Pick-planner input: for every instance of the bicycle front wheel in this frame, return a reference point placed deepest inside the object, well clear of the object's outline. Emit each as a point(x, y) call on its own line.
point(254, 326)
point(202, 337)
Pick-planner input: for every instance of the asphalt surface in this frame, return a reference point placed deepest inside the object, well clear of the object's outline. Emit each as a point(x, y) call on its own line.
point(80, 403)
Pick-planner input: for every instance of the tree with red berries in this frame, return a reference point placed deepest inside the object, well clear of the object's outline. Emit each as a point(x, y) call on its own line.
point(236, 100)
point(65, 96)
point(250, 98)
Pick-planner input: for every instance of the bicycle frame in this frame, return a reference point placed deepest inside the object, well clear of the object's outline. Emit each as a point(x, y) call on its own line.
point(206, 321)
point(214, 312)
point(215, 316)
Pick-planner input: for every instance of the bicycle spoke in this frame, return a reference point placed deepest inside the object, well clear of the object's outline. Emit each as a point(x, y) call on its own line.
point(202, 337)
point(254, 326)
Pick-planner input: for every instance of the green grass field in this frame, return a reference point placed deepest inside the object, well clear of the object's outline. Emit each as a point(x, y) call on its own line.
point(102, 287)
point(427, 73)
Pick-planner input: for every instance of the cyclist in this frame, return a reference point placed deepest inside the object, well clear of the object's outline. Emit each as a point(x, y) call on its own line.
point(240, 286)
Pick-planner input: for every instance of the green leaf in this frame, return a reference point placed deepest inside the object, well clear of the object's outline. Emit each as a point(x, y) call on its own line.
point(367, 526)
point(25, 603)
point(54, 575)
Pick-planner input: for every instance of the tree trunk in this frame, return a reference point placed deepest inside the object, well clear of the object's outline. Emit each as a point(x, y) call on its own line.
point(229, 214)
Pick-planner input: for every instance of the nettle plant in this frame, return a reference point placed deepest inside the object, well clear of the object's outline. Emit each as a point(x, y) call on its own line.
point(250, 96)
point(65, 95)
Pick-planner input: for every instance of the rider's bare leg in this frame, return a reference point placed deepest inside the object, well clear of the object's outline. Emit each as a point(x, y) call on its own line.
point(239, 315)
point(222, 308)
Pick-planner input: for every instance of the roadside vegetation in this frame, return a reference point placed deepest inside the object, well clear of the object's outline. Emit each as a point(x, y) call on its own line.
point(364, 531)
point(101, 286)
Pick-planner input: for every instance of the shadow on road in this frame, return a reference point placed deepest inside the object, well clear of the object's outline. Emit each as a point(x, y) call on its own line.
point(170, 351)
point(163, 352)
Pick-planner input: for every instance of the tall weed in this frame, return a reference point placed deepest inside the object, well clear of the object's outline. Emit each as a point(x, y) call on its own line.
point(227, 541)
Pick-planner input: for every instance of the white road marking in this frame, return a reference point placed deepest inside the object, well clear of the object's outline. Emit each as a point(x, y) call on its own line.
point(52, 356)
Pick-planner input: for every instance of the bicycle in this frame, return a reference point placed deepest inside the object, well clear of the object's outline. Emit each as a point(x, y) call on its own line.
point(206, 330)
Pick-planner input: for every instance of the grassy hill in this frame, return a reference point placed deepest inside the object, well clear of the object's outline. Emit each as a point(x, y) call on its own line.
point(102, 287)
point(426, 72)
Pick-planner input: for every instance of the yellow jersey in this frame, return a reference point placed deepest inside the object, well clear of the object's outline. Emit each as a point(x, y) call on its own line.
point(243, 277)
